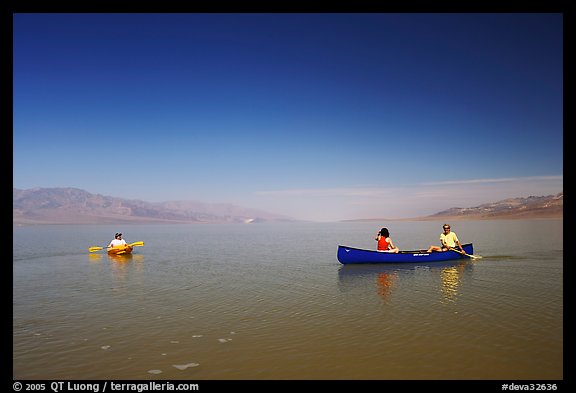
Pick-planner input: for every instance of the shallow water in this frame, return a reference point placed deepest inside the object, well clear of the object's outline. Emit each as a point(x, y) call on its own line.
point(271, 301)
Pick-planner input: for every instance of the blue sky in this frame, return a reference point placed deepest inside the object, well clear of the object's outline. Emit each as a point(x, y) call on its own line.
point(316, 116)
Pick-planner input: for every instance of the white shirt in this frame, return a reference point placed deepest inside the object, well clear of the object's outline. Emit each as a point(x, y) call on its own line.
point(116, 242)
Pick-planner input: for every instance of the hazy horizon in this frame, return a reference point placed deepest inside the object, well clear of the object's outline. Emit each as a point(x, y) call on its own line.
point(322, 116)
point(358, 192)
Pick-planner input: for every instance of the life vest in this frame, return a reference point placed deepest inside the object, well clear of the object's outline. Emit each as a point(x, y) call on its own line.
point(383, 244)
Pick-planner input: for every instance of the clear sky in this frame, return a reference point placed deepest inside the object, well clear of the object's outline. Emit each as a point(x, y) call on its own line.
point(321, 116)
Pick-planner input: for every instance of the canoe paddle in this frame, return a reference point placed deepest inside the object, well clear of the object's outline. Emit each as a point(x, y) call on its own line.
point(135, 244)
point(467, 255)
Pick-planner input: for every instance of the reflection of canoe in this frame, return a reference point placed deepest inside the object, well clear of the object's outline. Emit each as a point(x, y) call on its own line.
point(384, 277)
point(120, 250)
point(373, 269)
point(351, 255)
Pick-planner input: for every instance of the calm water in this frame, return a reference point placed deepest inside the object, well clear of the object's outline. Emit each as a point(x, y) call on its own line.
point(271, 301)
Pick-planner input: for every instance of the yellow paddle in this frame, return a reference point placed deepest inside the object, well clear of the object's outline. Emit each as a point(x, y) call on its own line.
point(463, 253)
point(135, 244)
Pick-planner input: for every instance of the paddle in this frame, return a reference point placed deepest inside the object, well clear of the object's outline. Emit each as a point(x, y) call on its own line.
point(135, 244)
point(463, 253)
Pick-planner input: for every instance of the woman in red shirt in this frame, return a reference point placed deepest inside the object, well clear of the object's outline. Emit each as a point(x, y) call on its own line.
point(384, 242)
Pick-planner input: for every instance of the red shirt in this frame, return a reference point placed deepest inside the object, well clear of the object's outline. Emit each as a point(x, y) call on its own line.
point(383, 243)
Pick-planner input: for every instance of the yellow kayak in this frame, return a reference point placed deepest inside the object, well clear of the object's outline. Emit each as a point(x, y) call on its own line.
point(119, 250)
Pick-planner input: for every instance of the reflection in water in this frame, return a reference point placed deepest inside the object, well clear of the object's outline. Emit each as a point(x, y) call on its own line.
point(386, 276)
point(122, 264)
point(126, 258)
point(120, 258)
point(92, 257)
point(451, 281)
point(385, 283)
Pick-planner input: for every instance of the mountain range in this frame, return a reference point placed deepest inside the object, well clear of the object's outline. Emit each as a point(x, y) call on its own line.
point(76, 206)
point(551, 206)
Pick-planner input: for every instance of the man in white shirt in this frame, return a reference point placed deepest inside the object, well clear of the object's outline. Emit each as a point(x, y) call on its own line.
point(118, 241)
point(448, 240)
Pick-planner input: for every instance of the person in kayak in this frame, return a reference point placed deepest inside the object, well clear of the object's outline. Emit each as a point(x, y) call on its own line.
point(384, 242)
point(448, 240)
point(118, 241)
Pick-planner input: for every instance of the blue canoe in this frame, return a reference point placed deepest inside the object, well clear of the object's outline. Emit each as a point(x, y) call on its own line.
point(350, 255)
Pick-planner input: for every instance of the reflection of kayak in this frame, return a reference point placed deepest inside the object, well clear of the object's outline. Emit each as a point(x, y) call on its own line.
point(121, 257)
point(120, 250)
point(350, 255)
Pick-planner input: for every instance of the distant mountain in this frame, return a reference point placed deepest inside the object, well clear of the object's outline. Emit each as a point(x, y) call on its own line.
point(551, 206)
point(76, 206)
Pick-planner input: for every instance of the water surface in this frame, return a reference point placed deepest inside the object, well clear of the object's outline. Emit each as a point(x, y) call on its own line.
point(271, 301)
